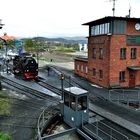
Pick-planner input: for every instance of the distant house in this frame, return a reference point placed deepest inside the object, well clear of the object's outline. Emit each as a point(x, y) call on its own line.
point(113, 52)
point(83, 47)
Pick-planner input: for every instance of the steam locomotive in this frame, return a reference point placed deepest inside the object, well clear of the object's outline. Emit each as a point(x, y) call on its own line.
point(26, 66)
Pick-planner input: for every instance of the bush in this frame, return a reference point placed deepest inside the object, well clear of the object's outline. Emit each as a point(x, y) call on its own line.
point(5, 136)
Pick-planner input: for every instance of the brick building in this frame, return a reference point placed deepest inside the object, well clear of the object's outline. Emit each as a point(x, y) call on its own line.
point(113, 52)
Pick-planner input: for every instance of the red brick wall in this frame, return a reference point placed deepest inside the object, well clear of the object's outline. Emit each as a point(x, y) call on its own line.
point(111, 64)
point(131, 28)
point(99, 64)
point(117, 64)
point(81, 71)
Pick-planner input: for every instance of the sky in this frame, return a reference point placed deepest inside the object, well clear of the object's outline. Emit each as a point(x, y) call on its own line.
point(58, 18)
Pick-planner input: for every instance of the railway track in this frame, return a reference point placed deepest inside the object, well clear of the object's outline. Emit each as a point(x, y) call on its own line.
point(67, 77)
point(108, 127)
point(18, 125)
point(57, 91)
point(27, 90)
point(50, 87)
point(94, 98)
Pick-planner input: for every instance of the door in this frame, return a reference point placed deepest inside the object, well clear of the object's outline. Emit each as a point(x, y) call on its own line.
point(131, 78)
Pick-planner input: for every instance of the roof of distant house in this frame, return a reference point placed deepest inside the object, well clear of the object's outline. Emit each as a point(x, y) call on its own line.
point(82, 58)
point(5, 37)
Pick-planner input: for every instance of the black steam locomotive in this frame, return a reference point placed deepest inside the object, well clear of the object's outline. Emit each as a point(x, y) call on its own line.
point(26, 66)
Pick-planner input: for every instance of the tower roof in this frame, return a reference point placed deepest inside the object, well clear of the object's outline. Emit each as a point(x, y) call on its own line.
point(110, 18)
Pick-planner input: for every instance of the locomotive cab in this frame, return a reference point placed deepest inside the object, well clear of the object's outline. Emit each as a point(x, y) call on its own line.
point(25, 66)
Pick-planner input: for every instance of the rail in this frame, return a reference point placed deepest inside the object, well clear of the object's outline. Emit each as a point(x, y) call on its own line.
point(98, 132)
point(27, 90)
point(68, 78)
point(125, 97)
point(43, 119)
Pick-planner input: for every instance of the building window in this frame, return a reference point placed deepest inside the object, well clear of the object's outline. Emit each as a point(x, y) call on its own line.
point(100, 29)
point(133, 53)
point(94, 72)
point(100, 74)
point(94, 52)
point(82, 68)
point(78, 67)
point(123, 53)
point(101, 53)
point(122, 76)
point(86, 69)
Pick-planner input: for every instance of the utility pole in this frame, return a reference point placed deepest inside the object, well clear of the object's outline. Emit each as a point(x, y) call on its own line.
point(129, 10)
point(113, 9)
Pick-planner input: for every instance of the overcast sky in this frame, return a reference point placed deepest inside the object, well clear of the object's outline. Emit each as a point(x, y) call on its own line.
point(57, 18)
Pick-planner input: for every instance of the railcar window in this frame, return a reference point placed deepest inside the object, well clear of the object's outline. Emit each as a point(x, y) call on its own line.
point(66, 99)
point(73, 102)
point(82, 103)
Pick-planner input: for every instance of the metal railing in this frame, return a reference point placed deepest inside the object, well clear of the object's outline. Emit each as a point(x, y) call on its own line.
point(43, 118)
point(107, 132)
point(130, 98)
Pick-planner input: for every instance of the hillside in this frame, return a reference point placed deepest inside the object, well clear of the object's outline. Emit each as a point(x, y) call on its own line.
point(65, 40)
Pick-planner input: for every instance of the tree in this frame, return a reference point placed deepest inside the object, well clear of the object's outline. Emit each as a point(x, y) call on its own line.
point(34, 46)
point(76, 47)
point(29, 45)
point(5, 136)
point(1, 43)
point(38, 46)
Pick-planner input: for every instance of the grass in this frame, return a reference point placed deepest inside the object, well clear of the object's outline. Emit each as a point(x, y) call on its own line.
point(63, 49)
point(5, 136)
point(4, 104)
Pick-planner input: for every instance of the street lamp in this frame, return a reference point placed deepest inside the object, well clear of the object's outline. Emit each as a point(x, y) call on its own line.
point(62, 85)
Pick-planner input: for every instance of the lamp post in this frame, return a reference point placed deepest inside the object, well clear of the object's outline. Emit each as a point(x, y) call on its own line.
point(62, 85)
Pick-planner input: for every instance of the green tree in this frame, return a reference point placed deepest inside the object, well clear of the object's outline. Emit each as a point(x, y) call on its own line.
point(29, 45)
point(1, 43)
point(75, 47)
point(38, 47)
